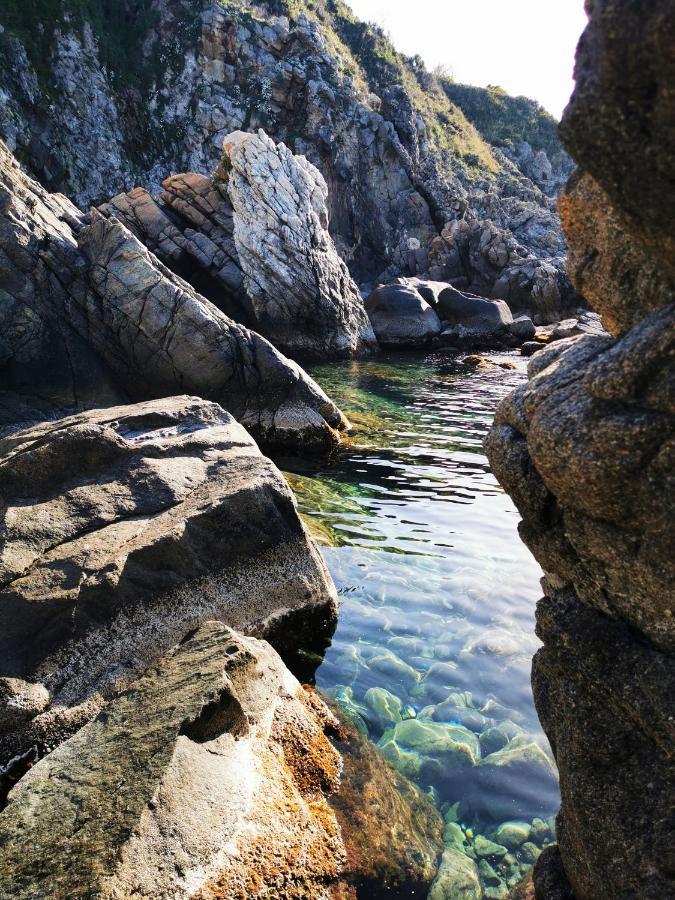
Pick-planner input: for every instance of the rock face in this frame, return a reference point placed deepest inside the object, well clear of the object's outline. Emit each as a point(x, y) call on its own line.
point(90, 317)
point(399, 157)
point(301, 291)
point(586, 451)
point(121, 530)
point(188, 785)
point(254, 239)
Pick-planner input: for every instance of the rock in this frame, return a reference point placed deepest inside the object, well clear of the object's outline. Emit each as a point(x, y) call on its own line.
point(523, 328)
point(587, 323)
point(421, 746)
point(530, 852)
point(385, 706)
point(498, 736)
point(520, 778)
point(613, 77)
point(400, 317)
point(529, 348)
point(391, 829)
point(584, 450)
point(94, 318)
point(387, 663)
point(457, 878)
point(231, 770)
point(487, 874)
point(301, 292)
point(484, 847)
point(121, 530)
point(513, 834)
point(459, 308)
point(608, 266)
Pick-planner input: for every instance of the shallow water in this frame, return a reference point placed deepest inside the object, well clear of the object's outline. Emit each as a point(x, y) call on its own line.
point(437, 591)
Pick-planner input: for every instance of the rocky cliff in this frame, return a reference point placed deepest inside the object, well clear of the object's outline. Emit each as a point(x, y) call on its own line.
point(586, 451)
point(98, 99)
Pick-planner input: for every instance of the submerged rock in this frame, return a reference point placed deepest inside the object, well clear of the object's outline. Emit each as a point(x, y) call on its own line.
point(457, 878)
point(391, 829)
point(123, 528)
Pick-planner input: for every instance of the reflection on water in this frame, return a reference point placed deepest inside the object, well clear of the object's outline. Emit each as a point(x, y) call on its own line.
point(432, 652)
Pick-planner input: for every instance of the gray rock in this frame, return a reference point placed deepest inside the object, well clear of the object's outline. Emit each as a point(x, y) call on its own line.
point(128, 542)
point(523, 328)
point(301, 292)
point(400, 317)
point(92, 318)
point(457, 877)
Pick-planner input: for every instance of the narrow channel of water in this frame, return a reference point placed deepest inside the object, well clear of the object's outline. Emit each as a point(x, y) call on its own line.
point(433, 648)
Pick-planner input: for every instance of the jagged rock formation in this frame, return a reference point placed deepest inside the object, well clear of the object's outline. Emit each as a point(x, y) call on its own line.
point(91, 317)
point(586, 451)
point(255, 237)
point(121, 530)
point(155, 90)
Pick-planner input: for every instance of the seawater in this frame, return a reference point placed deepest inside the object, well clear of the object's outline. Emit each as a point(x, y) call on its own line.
point(432, 653)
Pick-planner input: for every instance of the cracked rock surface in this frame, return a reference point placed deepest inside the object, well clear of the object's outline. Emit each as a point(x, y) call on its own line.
point(255, 239)
point(120, 530)
point(91, 317)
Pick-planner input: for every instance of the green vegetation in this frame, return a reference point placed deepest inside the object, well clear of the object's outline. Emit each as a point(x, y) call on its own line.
point(501, 118)
point(120, 29)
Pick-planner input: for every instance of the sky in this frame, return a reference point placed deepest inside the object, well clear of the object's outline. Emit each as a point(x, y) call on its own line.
point(525, 46)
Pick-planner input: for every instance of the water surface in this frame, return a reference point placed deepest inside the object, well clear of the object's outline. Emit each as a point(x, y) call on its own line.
point(436, 624)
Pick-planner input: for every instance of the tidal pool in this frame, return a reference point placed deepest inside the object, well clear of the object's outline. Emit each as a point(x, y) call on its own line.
point(432, 653)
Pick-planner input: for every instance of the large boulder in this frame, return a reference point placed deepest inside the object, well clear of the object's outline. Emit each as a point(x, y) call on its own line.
point(401, 317)
point(120, 530)
point(91, 317)
point(301, 292)
point(208, 777)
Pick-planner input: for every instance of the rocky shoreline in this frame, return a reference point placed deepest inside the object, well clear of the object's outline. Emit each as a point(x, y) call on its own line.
point(162, 605)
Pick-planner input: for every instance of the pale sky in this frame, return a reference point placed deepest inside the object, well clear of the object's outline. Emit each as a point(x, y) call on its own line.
point(525, 46)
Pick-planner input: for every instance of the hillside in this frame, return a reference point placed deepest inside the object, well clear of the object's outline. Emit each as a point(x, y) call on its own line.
point(99, 97)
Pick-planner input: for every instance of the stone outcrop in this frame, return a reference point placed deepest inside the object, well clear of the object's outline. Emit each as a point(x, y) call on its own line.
point(124, 528)
point(254, 239)
point(91, 317)
point(301, 291)
point(480, 256)
point(586, 451)
point(208, 777)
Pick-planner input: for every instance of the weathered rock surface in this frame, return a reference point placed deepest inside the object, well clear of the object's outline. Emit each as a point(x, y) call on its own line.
point(207, 778)
point(254, 239)
point(92, 317)
point(586, 451)
point(301, 291)
point(401, 317)
point(121, 530)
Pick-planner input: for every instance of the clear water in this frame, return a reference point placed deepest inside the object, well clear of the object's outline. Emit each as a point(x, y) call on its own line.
point(437, 591)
